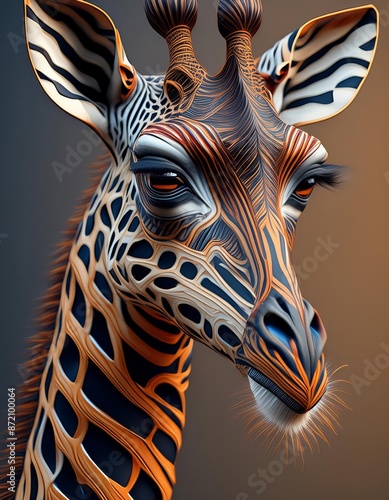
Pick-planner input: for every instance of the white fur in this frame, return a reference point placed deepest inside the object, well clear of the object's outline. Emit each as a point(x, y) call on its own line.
point(276, 412)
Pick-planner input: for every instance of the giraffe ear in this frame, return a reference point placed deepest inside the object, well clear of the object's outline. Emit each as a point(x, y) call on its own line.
point(78, 58)
point(316, 72)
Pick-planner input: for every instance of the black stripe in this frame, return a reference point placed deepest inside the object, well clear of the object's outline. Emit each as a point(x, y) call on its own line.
point(82, 66)
point(83, 89)
point(326, 98)
point(328, 72)
point(87, 42)
point(215, 289)
point(321, 53)
point(96, 387)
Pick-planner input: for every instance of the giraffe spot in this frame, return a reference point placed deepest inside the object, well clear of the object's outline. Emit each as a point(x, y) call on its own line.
point(140, 272)
point(165, 445)
point(134, 225)
point(48, 446)
point(113, 251)
point(208, 329)
point(122, 250)
point(79, 306)
point(33, 482)
point(228, 336)
point(84, 255)
point(190, 312)
point(105, 451)
point(167, 260)
point(141, 250)
point(167, 307)
point(100, 334)
point(189, 270)
point(116, 206)
point(67, 284)
point(68, 485)
point(65, 413)
point(90, 224)
point(70, 359)
point(124, 221)
point(103, 285)
point(165, 283)
point(99, 244)
point(104, 215)
point(169, 394)
point(105, 395)
point(145, 488)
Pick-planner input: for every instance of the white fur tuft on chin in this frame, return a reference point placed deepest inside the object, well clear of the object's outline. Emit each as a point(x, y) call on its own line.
point(276, 412)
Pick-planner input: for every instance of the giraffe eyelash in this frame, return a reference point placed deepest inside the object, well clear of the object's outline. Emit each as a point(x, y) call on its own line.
point(154, 165)
point(329, 176)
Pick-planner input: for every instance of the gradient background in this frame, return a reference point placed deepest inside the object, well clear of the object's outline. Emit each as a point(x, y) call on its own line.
point(350, 289)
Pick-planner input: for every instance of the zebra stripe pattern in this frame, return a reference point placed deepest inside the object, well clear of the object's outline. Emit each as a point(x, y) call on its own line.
point(316, 71)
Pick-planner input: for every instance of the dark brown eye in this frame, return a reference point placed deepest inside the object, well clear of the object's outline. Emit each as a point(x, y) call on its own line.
point(165, 183)
point(305, 188)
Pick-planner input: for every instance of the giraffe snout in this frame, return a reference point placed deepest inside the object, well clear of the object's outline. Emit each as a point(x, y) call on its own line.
point(285, 351)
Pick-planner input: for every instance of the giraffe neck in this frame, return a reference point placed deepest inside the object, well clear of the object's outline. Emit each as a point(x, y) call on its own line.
point(111, 405)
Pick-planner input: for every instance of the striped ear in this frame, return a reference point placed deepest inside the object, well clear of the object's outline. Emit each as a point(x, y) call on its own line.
point(78, 58)
point(315, 72)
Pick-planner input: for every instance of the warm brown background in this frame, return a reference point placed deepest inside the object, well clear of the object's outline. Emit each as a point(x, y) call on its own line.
point(350, 289)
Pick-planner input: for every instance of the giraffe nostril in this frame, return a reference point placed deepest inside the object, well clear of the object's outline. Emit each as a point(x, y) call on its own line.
point(279, 328)
point(318, 333)
point(283, 304)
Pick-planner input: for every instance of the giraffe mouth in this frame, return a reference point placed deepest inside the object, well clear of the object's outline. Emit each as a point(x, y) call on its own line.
point(268, 384)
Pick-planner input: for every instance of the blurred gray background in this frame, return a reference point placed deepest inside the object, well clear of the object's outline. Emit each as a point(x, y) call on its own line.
point(350, 289)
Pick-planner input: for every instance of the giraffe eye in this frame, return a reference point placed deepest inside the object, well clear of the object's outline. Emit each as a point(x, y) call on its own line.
point(165, 183)
point(305, 188)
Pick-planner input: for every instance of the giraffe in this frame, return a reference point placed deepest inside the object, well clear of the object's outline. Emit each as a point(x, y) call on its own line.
point(186, 236)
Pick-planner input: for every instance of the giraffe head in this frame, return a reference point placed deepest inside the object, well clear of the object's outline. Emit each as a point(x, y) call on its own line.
point(217, 173)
